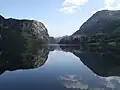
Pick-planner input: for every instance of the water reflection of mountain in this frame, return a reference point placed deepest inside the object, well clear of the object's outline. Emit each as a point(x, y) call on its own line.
point(30, 58)
point(105, 63)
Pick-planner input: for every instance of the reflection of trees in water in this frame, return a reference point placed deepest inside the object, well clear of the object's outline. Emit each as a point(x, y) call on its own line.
point(28, 59)
point(103, 63)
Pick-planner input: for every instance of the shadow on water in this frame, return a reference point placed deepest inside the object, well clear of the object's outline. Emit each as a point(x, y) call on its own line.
point(103, 63)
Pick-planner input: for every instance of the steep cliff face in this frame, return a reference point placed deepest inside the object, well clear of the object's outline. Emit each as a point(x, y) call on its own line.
point(31, 28)
point(16, 35)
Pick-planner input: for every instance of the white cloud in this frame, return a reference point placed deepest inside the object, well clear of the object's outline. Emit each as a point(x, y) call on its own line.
point(75, 2)
point(109, 2)
point(112, 4)
point(68, 9)
point(109, 5)
point(70, 6)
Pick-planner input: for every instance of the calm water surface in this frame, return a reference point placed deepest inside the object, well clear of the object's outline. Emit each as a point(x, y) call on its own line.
point(61, 70)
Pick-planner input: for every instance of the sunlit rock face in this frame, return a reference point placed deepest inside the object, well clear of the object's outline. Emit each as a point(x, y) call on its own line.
point(35, 28)
point(30, 29)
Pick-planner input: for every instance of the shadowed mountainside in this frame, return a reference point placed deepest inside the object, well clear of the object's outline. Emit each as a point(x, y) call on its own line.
point(102, 26)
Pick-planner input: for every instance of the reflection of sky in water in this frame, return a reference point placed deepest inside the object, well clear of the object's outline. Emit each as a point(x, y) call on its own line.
point(62, 70)
point(76, 82)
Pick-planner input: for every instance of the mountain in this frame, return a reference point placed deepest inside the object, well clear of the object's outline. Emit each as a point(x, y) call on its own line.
point(105, 23)
point(26, 28)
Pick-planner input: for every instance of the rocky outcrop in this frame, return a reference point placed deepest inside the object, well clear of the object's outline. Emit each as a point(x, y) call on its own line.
point(27, 28)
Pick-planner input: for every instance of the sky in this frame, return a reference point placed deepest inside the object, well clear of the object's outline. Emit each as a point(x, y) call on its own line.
point(61, 17)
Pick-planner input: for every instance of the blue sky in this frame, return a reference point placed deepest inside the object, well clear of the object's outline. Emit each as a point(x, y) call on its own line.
point(61, 17)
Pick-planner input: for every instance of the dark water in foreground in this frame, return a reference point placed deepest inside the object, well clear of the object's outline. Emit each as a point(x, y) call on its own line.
point(67, 69)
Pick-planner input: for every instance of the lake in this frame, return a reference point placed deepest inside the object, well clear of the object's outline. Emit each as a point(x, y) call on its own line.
point(56, 68)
